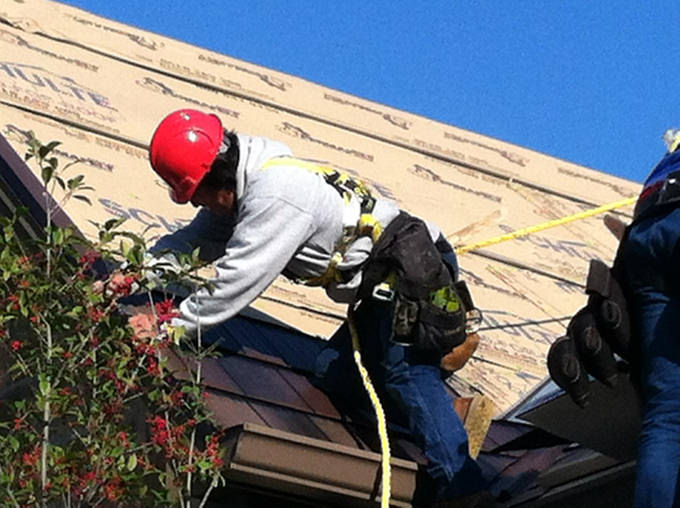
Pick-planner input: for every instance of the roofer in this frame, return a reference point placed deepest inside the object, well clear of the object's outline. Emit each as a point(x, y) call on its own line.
point(634, 310)
point(264, 213)
point(650, 258)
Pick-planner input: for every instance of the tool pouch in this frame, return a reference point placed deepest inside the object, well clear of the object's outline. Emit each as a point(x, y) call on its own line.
point(430, 324)
point(429, 308)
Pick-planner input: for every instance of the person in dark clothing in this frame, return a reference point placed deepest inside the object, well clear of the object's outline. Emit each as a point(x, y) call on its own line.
point(650, 262)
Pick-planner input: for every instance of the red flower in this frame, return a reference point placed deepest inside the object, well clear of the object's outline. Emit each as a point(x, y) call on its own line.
point(88, 477)
point(152, 368)
point(15, 301)
point(159, 430)
point(95, 314)
point(121, 285)
point(165, 311)
point(67, 354)
point(212, 451)
point(15, 345)
point(31, 458)
point(113, 489)
point(89, 258)
point(114, 408)
point(123, 438)
point(176, 398)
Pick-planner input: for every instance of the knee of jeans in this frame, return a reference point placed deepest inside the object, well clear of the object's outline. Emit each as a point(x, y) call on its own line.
point(663, 409)
point(441, 473)
point(323, 361)
point(325, 376)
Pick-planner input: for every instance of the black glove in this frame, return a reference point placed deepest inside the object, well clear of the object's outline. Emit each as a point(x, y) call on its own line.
point(594, 334)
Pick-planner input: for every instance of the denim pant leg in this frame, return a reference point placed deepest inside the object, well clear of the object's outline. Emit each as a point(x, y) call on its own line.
point(410, 386)
point(650, 263)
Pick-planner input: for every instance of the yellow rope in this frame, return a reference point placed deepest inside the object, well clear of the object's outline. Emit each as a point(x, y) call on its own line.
point(379, 412)
point(545, 225)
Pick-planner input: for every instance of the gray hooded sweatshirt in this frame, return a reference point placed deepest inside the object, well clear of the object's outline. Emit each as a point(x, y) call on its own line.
point(288, 219)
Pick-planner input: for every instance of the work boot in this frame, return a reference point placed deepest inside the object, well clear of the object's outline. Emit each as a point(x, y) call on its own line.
point(481, 499)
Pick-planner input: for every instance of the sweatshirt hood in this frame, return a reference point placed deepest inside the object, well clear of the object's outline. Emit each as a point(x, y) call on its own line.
point(253, 153)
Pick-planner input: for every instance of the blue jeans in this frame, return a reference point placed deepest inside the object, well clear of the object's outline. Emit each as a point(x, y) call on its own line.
point(412, 392)
point(651, 264)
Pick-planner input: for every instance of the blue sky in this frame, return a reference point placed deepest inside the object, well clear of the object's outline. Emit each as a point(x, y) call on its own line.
point(591, 82)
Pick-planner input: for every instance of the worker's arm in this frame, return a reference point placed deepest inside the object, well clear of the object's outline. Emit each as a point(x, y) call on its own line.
point(207, 231)
point(269, 232)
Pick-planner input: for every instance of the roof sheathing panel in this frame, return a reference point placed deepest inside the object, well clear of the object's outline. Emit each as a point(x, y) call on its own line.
point(103, 91)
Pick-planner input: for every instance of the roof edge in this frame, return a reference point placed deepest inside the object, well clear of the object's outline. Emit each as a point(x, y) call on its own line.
point(285, 462)
point(29, 189)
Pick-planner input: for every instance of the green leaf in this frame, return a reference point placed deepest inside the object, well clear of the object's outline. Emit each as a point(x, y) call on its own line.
point(14, 443)
point(83, 198)
point(74, 182)
point(43, 384)
point(177, 333)
point(52, 145)
point(47, 173)
point(33, 142)
point(58, 236)
point(132, 462)
point(113, 223)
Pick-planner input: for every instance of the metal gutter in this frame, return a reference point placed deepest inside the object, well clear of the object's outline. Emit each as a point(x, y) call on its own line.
point(319, 470)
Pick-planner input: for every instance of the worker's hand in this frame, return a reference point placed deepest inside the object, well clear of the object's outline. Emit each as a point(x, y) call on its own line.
point(615, 226)
point(116, 285)
point(144, 323)
point(459, 355)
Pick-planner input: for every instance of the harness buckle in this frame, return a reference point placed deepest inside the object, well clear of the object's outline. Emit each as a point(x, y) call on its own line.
point(473, 321)
point(383, 292)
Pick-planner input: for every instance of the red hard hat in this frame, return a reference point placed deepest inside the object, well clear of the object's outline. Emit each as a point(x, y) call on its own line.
point(183, 147)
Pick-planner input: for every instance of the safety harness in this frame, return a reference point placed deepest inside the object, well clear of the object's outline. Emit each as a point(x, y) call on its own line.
point(358, 218)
